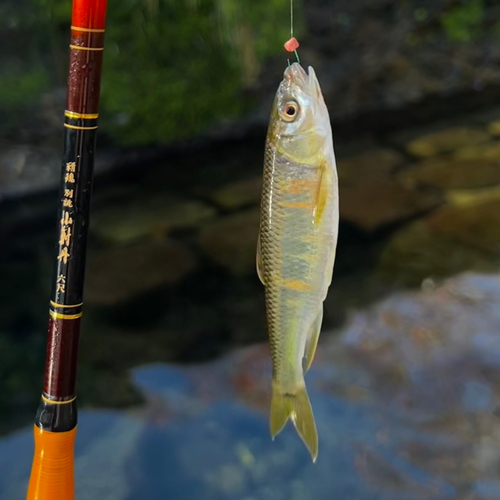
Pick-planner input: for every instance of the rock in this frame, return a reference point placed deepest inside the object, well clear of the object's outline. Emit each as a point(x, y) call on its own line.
point(453, 173)
point(429, 331)
point(376, 203)
point(490, 151)
point(27, 168)
point(128, 221)
point(232, 241)
point(494, 128)
point(372, 164)
point(119, 274)
point(476, 225)
point(444, 141)
point(239, 194)
point(468, 197)
point(418, 252)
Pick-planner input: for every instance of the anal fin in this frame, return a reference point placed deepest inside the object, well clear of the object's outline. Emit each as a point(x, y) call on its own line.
point(312, 339)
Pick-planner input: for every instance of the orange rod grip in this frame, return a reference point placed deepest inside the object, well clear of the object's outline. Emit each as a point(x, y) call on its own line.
point(52, 476)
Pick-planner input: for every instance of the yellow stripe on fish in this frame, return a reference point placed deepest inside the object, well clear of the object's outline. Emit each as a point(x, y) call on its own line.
point(296, 204)
point(297, 286)
point(301, 186)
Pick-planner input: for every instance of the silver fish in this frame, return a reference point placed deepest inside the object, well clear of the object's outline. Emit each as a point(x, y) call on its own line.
point(297, 241)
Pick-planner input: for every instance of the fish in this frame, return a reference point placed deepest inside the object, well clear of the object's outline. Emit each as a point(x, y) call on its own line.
point(297, 241)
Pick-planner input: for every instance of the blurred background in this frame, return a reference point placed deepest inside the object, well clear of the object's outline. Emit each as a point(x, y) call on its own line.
point(174, 372)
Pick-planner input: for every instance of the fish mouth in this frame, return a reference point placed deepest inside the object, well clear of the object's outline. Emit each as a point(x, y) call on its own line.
point(295, 74)
point(307, 81)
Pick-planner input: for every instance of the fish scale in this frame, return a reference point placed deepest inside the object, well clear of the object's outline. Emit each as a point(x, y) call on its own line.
point(281, 234)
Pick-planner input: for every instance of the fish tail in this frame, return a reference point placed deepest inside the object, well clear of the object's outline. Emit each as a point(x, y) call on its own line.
point(295, 406)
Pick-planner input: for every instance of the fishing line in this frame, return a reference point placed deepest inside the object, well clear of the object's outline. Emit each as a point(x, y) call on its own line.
point(292, 45)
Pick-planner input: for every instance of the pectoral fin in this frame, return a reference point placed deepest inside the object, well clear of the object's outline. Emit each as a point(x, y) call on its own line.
point(323, 191)
point(312, 340)
point(258, 259)
point(324, 197)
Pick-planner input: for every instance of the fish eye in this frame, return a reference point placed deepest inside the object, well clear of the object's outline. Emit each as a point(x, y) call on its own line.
point(290, 111)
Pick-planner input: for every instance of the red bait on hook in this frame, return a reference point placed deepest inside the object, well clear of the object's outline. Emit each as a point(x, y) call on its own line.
point(292, 45)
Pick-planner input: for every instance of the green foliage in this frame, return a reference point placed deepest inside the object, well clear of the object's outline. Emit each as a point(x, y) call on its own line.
point(164, 77)
point(421, 14)
point(172, 68)
point(463, 22)
point(21, 88)
point(59, 11)
point(31, 57)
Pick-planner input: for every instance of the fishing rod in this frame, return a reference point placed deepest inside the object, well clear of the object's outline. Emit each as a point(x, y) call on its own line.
point(52, 475)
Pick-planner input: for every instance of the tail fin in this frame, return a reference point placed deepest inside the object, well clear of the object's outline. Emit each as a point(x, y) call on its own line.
point(297, 407)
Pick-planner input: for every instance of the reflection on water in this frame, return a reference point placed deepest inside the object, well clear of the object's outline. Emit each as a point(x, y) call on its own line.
point(406, 401)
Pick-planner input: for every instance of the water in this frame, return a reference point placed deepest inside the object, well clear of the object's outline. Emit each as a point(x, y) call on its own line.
point(402, 412)
point(174, 377)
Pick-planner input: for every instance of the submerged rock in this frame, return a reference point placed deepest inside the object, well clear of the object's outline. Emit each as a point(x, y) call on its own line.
point(156, 214)
point(405, 398)
point(453, 173)
point(467, 197)
point(476, 225)
point(118, 274)
point(372, 204)
point(418, 252)
point(490, 151)
point(239, 194)
point(232, 241)
point(376, 163)
point(464, 234)
point(494, 128)
point(444, 141)
point(19, 164)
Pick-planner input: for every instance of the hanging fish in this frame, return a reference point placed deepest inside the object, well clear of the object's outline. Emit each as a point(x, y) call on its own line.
point(297, 241)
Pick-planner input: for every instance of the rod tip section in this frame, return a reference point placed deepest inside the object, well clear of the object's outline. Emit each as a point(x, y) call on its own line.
point(89, 14)
point(52, 473)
